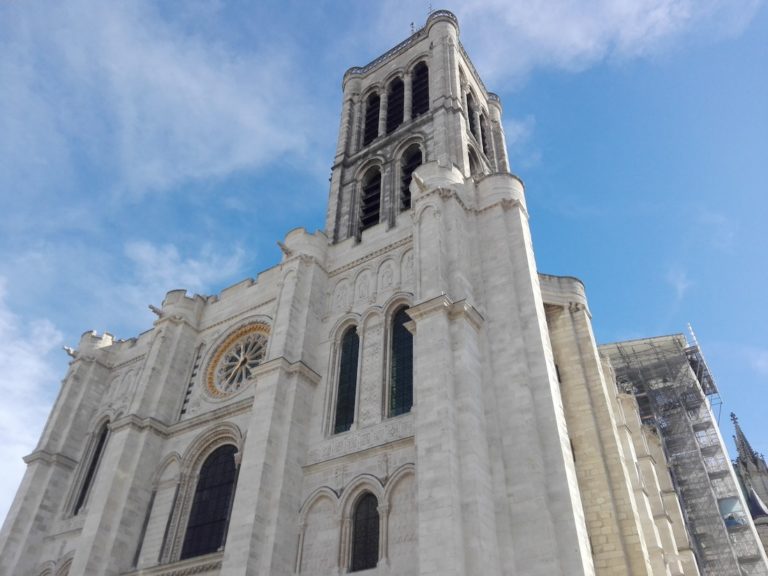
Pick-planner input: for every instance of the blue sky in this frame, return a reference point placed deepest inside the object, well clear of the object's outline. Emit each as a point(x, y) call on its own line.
point(147, 146)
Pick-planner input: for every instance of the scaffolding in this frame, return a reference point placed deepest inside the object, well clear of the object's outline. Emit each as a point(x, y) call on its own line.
point(676, 396)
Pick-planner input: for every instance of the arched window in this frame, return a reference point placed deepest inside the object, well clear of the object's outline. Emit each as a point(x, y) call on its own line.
point(208, 519)
point(365, 534)
point(371, 199)
point(410, 160)
point(401, 365)
point(420, 90)
point(93, 466)
point(471, 114)
point(371, 129)
point(347, 388)
point(395, 103)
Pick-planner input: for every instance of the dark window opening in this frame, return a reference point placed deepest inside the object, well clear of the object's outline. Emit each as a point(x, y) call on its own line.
point(483, 134)
point(420, 90)
point(410, 161)
point(208, 519)
point(365, 534)
point(92, 467)
point(401, 366)
point(471, 114)
point(395, 103)
point(345, 396)
point(371, 199)
point(371, 119)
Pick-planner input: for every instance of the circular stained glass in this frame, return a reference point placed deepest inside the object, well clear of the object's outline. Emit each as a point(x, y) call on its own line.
point(232, 366)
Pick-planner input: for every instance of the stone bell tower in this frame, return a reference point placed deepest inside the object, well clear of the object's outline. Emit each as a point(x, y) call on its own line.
point(497, 490)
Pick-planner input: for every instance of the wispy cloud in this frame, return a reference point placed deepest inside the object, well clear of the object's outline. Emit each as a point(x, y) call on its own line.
point(162, 267)
point(575, 35)
point(678, 279)
point(149, 104)
point(25, 387)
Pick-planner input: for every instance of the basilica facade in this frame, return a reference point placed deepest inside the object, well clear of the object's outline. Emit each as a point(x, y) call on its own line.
point(402, 394)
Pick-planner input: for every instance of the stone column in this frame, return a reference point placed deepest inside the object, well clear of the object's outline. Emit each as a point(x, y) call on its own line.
point(407, 96)
point(383, 102)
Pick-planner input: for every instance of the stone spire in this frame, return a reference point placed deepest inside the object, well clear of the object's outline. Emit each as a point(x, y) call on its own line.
point(746, 453)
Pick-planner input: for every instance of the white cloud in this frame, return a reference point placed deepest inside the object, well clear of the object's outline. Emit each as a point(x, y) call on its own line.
point(678, 279)
point(147, 102)
point(759, 361)
point(574, 35)
point(26, 377)
point(163, 267)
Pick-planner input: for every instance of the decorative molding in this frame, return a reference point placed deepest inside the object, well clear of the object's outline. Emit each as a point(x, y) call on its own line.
point(362, 439)
point(370, 256)
point(207, 563)
point(240, 314)
point(56, 458)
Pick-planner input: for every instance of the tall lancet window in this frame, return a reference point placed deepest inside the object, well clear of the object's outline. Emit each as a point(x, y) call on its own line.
point(420, 90)
point(371, 199)
point(410, 160)
point(365, 534)
point(347, 388)
point(395, 103)
point(401, 365)
point(471, 106)
point(93, 466)
point(371, 128)
point(208, 519)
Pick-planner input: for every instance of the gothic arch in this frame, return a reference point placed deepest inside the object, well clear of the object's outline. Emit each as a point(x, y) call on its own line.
point(408, 469)
point(318, 530)
point(355, 488)
point(348, 319)
point(204, 444)
point(317, 494)
point(207, 441)
point(418, 59)
point(64, 565)
point(169, 468)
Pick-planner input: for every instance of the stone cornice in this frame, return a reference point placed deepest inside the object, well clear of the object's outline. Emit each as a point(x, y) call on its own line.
point(462, 309)
point(51, 458)
point(199, 565)
point(370, 256)
point(139, 423)
point(233, 409)
point(240, 314)
point(282, 363)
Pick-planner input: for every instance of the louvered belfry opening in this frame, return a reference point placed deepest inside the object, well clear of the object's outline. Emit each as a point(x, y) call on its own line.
point(347, 388)
point(471, 114)
point(484, 134)
point(411, 160)
point(401, 366)
point(395, 103)
point(371, 130)
point(371, 199)
point(365, 534)
point(420, 88)
point(208, 519)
